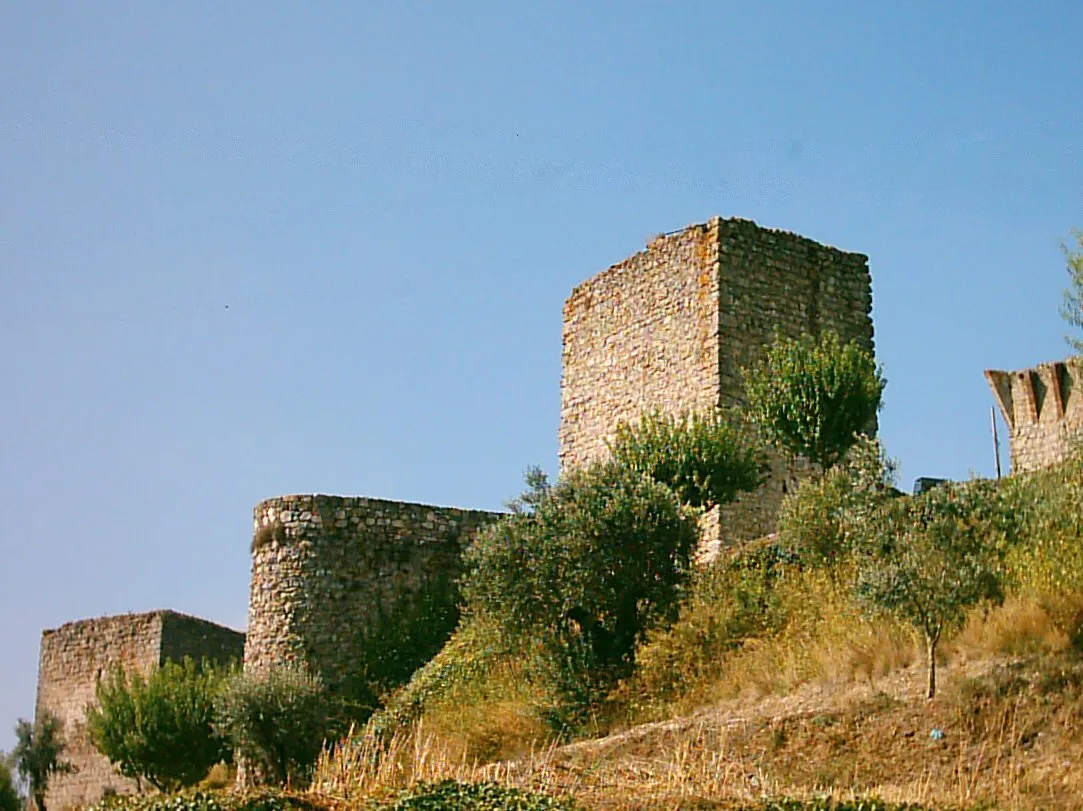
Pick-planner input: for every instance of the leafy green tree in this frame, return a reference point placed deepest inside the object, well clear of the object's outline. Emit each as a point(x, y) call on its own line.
point(705, 458)
point(597, 560)
point(10, 799)
point(934, 557)
point(813, 396)
point(278, 722)
point(38, 754)
point(1071, 308)
point(159, 728)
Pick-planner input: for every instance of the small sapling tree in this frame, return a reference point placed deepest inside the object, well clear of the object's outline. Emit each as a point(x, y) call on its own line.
point(812, 396)
point(932, 558)
point(705, 458)
point(10, 800)
point(38, 755)
point(159, 728)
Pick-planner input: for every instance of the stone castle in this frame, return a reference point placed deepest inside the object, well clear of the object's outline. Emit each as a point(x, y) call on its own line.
point(670, 327)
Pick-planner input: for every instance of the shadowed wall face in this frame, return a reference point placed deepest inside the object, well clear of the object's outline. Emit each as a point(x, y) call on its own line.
point(672, 326)
point(1043, 408)
point(353, 586)
point(76, 655)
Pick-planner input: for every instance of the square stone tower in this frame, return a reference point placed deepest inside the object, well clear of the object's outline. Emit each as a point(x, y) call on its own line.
point(76, 655)
point(672, 327)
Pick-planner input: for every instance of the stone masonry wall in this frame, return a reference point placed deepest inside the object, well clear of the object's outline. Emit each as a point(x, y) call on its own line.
point(672, 326)
point(1043, 408)
point(76, 655)
point(329, 572)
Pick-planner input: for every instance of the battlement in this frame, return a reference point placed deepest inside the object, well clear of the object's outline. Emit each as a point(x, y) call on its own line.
point(1043, 408)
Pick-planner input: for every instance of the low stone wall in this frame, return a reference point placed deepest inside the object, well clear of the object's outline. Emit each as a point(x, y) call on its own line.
point(332, 576)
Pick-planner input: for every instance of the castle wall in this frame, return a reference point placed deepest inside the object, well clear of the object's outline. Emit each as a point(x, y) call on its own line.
point(672, 326)
point(76, 655)
point(331, 574)
point(1043, 408)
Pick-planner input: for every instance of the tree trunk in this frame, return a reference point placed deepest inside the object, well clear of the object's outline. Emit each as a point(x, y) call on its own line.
point(39, 801)
point(931, 648)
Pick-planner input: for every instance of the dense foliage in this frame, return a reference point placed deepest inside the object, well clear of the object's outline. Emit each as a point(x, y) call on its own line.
point(38, 754)
point(10, 800)
point(932, 558)
point(450, 795)
point(813, 396)
point(586, 571)
point(256, 800)
point(823, 520)
point(160, 728)
point(707, 458)
point(278, 722)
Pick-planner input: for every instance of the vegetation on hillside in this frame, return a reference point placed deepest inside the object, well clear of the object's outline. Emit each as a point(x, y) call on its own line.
point(39, 754)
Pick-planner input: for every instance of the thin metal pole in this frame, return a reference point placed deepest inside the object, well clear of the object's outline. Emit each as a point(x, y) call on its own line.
point(996, 439)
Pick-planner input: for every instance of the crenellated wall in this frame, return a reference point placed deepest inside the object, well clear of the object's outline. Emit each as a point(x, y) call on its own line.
point(1043, 408)
point(672, 326)
point(330, 574)
point(76, 655)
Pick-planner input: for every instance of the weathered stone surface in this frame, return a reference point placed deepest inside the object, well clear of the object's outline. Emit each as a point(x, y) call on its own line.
point(1043, 408)
point(672, 326)
point(76, 655)
point(326, 570)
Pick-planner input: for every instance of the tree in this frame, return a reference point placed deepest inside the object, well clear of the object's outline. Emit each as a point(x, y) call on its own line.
point(278, 722)
point(931, 558)
point(160, 728)
point(585, 572)
point(10, 800)
point(1071, 309)
point(37, 753)
point(705, 458)
point(813, 396)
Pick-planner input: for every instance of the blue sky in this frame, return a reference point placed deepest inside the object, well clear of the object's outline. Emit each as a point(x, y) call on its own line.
point(394, 199)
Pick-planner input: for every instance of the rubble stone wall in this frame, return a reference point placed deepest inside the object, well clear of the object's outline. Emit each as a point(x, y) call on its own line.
point(1043, 408)
point(672, 326)
point(329, 572)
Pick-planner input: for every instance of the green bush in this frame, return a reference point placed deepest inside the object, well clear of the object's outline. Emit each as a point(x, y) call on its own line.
point(10, 800)
point(189, 800)
point(38, 754)
point(824, 518)
point(450, 795)
point(707, 459)
point(813, 396)
point(587, 571)
point(278, 722)
point(160, 728)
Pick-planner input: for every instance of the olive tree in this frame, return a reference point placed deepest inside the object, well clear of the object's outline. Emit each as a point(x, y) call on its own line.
point(10, 799)
point(706, 458)
point(159, 728)
point(812, 397)
point(932, 558)
point(38, 754)
point(1071, 309)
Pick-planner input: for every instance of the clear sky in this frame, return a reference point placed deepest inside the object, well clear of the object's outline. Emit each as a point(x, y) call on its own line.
point(249, 249)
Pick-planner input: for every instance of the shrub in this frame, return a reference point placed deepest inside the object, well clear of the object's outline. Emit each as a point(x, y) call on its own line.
point(705, 458)
point(195, 800)
point(451, 795)
point(9, 794)
point(38, 754)
point(160, 728)
point(824, 518)
point(588, 571)
point(278, 722)
point(813, 396)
